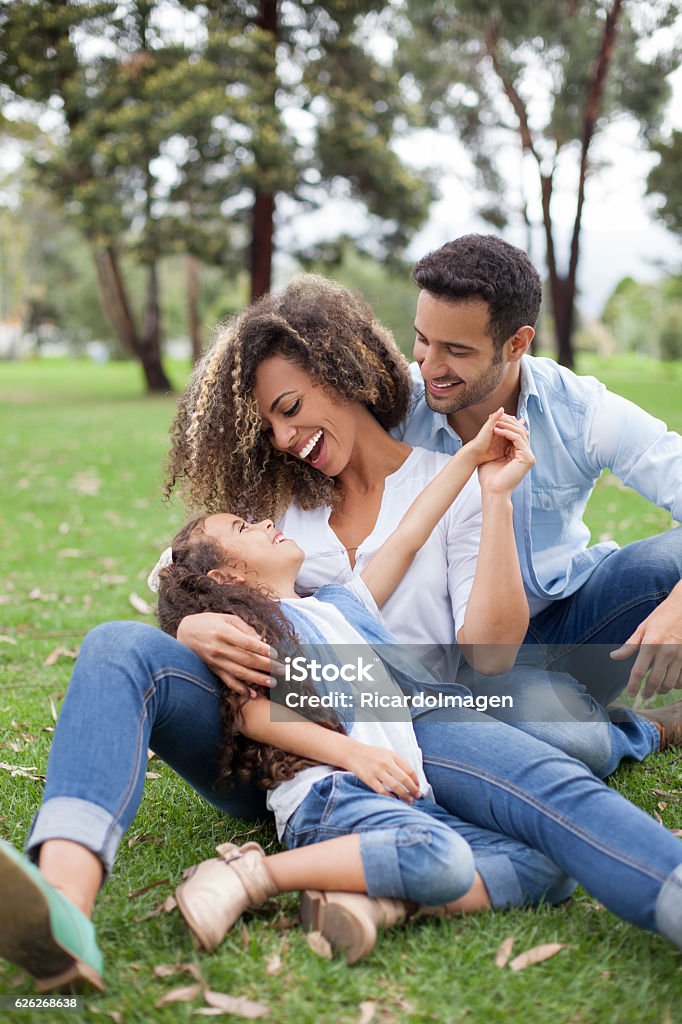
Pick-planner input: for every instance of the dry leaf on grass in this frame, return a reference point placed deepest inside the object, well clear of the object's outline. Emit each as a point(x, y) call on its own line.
point(273, 964)
point(367, 1010)
point(145, 888)
point(183, 994)
point(166, 907)
point(60, 652)
point(676, 831)
point(319, 944)
point(246, 938)
point(70, 553)
point(7, 640)
point(140, 605)
point(536, 955)
point(504, 952)
point(152, 775)
point(167, 970)
point(238, 1005)
point(21, 771)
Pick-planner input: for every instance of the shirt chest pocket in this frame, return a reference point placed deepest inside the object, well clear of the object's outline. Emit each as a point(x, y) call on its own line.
point(557, 498)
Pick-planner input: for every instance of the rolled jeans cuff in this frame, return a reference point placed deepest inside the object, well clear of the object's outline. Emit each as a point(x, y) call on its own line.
point(67, 817)
point(669, 908)
point(501, 881)
point(381, 865)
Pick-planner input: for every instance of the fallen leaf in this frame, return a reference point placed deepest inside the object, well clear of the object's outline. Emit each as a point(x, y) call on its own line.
point(152, 775)
point(273, 964)
point(140, 605)
point(115, 1015)
point(319, 944)
point(283, 923)
point(676, 831)
point(21, 771)
point(504, 952)
point(166, 907)
point(70, 553)
point(367, 1010)
point(662, 805)
point(7, 640)
point(658, 818)
point(536, 955)
point(145, 837)
point(246, 938)
point(183, 994)
point(238, 1005)
point(60, 652)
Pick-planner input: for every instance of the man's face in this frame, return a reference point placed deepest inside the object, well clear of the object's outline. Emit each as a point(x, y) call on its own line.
point(457, 358)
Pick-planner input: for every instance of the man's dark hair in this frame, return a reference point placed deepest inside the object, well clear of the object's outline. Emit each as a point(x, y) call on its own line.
point(488, 268)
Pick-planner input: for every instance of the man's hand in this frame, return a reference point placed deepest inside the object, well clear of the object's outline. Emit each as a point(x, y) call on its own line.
point(658, 644)
point(232, 650)
point(382, 770)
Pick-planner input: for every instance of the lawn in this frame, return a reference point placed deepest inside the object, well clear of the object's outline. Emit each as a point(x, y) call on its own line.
point(81, 525)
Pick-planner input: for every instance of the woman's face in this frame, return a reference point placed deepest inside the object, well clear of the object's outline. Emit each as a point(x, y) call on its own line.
point(303, 418)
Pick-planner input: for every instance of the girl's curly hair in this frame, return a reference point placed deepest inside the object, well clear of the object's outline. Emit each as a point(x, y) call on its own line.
point(219, 455)
point(185, 588)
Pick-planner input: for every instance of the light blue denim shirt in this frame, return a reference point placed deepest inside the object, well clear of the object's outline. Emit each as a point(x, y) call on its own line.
point(577, 428)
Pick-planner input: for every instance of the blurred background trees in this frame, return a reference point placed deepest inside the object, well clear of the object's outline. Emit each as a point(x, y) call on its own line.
point(164, 155)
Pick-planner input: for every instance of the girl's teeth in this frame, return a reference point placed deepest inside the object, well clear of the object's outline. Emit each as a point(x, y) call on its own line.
point(305, 452)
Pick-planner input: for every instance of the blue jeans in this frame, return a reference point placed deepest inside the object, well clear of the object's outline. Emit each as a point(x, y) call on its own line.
point(134, 687)
point(579, 632)
point(421, 853)
point(499, 778)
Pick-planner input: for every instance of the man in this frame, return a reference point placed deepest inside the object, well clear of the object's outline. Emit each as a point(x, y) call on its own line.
point(595, 606)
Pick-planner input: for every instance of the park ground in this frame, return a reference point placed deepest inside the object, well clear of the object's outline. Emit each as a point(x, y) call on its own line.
point(81, 523)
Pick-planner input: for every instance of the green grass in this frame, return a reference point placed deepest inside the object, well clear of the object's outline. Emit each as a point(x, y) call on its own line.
point(81, 524)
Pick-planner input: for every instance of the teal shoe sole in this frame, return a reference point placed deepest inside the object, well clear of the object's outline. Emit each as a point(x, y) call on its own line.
point(29, 931)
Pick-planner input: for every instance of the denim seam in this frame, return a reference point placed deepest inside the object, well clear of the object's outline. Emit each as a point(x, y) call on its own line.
point(125, 796)
point(640, 599)
point(506, 786)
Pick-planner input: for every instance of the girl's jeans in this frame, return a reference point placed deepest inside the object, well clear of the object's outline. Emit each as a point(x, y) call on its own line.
point(134, 687)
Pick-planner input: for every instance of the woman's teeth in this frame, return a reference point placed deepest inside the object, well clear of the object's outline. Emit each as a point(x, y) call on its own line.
point(307, 448)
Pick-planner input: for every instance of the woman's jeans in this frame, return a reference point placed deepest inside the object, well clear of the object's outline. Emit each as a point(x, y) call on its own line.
point(134, 687)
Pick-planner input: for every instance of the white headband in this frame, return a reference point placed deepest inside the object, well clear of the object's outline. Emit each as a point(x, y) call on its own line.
point(153, 578)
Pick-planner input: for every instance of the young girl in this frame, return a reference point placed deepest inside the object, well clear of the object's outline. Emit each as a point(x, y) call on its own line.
point(350, 834)
point(406, 854)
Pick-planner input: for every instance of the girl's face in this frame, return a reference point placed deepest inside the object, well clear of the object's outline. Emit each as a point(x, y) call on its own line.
point(304, 419)
point(260, 547)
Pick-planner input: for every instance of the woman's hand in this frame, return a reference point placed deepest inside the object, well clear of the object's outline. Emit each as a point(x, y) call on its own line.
point(382, 770)
point(503, 473)
point(232, 650)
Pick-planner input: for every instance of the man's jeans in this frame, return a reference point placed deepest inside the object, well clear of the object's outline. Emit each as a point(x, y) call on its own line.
point(564, 677)
point(579, 632)
point(134, 687)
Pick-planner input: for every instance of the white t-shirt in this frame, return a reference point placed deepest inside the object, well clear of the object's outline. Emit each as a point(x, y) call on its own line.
point(392, 734)
point(428, 605)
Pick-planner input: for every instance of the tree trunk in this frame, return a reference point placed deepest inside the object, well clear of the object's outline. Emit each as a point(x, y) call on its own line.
point(193, 318)
point(263, 214)
point(117, 310)
point(150, 342)
point(262, 246)
point(563, 306)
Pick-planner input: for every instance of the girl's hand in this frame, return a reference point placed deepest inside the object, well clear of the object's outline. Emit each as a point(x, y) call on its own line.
point(383, 770)
point(231, 649)
point(487, 445)
point(504, 473)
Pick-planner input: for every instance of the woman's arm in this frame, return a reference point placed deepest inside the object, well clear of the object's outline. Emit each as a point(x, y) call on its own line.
point(496, 617)
point(381, 769)
point(387, 567)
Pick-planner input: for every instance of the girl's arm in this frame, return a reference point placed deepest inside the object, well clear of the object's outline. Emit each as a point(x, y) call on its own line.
point(381, 769)
point(496, 617)
point(387, 567)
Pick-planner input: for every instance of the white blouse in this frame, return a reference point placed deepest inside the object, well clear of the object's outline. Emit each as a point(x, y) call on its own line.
point(428, 606)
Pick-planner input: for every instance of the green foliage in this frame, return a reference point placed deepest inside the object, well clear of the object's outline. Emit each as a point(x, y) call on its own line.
point(665, 181)
point(645, 318)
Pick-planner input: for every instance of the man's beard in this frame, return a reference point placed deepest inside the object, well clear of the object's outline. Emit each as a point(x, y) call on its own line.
point(470, 394)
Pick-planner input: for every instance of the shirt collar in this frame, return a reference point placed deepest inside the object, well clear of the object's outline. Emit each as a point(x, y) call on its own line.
point(528, 387)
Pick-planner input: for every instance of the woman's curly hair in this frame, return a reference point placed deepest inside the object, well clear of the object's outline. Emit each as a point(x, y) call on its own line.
point(185, 588)
point(219, 455)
